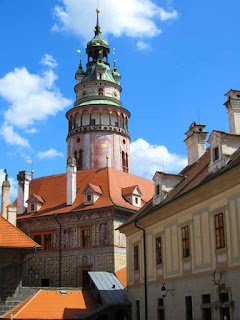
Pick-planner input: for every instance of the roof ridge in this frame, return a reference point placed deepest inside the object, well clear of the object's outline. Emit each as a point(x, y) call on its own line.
point(27, 303)
point(109, 189)
point(113, 169)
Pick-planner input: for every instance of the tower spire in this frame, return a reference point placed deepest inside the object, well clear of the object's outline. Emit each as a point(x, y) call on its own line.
point(97, 28)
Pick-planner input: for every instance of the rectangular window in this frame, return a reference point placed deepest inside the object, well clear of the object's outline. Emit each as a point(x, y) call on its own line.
point(157, 189)
point(136, 200)
point(215, 154)
point(219, 231)
point(38, 238)
point(206, 307)
point(48, 242)
point(158, 250)
point(32, 207)
point(185, 242)
point(138, 310)
point(93, 121)
point(44, 238)
point(136, 258)
point(86, 237)
point(89, 197)
point(188, 308)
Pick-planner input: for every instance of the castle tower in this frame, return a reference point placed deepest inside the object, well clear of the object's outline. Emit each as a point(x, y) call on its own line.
point(98, 124)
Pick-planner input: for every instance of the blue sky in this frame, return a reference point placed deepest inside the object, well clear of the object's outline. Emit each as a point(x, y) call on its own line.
point(176, 58)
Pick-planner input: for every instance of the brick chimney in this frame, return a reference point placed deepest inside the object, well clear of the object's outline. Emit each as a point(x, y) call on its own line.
point(196, 142)
point(71, 181)
point(23, 191)
point(5, 196)
point(233, 109)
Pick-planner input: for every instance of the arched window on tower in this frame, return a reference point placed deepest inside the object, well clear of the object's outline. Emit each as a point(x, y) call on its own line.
point(100, 91)
point(80, 160)
point(75, 156)
point(126, 162)
point(123, 162)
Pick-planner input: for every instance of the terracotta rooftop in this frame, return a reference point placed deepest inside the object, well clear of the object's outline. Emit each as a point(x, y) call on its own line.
point(128, 190)
point(53, 190)
point(122, 276)
point(52, 304)
point(12, 237)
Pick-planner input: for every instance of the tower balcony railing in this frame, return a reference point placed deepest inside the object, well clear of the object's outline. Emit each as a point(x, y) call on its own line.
point(98, 127)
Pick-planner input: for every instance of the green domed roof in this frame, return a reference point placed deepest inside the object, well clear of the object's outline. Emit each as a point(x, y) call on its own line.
point(98, 41)
point(91, 74)
point(115, 72)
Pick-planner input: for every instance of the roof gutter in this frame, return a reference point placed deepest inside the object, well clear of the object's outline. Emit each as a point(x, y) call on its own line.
point(145, 268)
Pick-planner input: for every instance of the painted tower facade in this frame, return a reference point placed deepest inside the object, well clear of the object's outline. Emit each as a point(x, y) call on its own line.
point(98, 134)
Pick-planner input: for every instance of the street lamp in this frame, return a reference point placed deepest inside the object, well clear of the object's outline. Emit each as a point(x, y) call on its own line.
point(165, 291)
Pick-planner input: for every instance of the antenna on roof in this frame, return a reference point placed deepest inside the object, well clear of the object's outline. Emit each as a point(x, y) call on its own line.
point(198, 116)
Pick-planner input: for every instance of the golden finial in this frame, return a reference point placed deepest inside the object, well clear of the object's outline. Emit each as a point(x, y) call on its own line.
point(97, 10)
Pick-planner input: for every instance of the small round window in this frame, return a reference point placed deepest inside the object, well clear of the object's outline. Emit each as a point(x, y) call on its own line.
point(78, 140)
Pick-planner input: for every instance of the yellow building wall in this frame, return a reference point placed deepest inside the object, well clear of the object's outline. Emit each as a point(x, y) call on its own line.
point(203, 254)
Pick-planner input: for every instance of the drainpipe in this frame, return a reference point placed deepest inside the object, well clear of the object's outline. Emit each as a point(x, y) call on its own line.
point(145, 269)
point(60, 252)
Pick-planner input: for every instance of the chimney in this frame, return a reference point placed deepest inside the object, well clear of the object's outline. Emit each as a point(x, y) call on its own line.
point(5, 195)
point(233, 109)
point(71, 180)
point(196, 142)
point(23, 191)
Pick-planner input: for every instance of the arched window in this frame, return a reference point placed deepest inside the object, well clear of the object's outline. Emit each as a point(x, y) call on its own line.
point(100, 91)
point(123, 161)
point(80, 160)
point(75, 156)
point(126, 162)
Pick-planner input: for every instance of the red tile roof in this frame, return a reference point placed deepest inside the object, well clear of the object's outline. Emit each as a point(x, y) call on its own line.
point(12, 237)
point(53, 190)
point(122, 276)
point(52, 304)
point(128, 190)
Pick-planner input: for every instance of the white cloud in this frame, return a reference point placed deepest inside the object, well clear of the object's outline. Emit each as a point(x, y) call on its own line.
point(143, 46)
point(134, 18)
point(48, 60)
point(49, 154)
point(11, 137)
point(32, 97)
point(31, 130)
point(13, 183)
point(146, 159)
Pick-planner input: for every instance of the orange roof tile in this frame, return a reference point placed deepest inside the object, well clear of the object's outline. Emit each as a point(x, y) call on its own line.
point(35, 197)
point(96, 189)
point(128, 190)
point(122, 276)
point(52, 304)
point(53, 190)
point(12, 237)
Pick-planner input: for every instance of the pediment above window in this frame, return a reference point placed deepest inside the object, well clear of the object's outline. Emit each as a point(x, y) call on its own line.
point(35, 202)
point(133, 195)
point(91, 194)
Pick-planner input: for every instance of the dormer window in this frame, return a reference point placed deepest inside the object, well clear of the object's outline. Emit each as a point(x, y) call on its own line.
point(91, 194)
point(215, 152)
point(35, 202)
point(133, 195)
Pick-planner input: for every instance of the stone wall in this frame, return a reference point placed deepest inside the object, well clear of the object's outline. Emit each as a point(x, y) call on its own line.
point(106, 253)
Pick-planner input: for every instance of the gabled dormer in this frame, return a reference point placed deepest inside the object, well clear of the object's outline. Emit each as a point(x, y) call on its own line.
point(133, 195)
point(223, 145)
point(164, 183)
point(35, 203)
point(91, 194)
